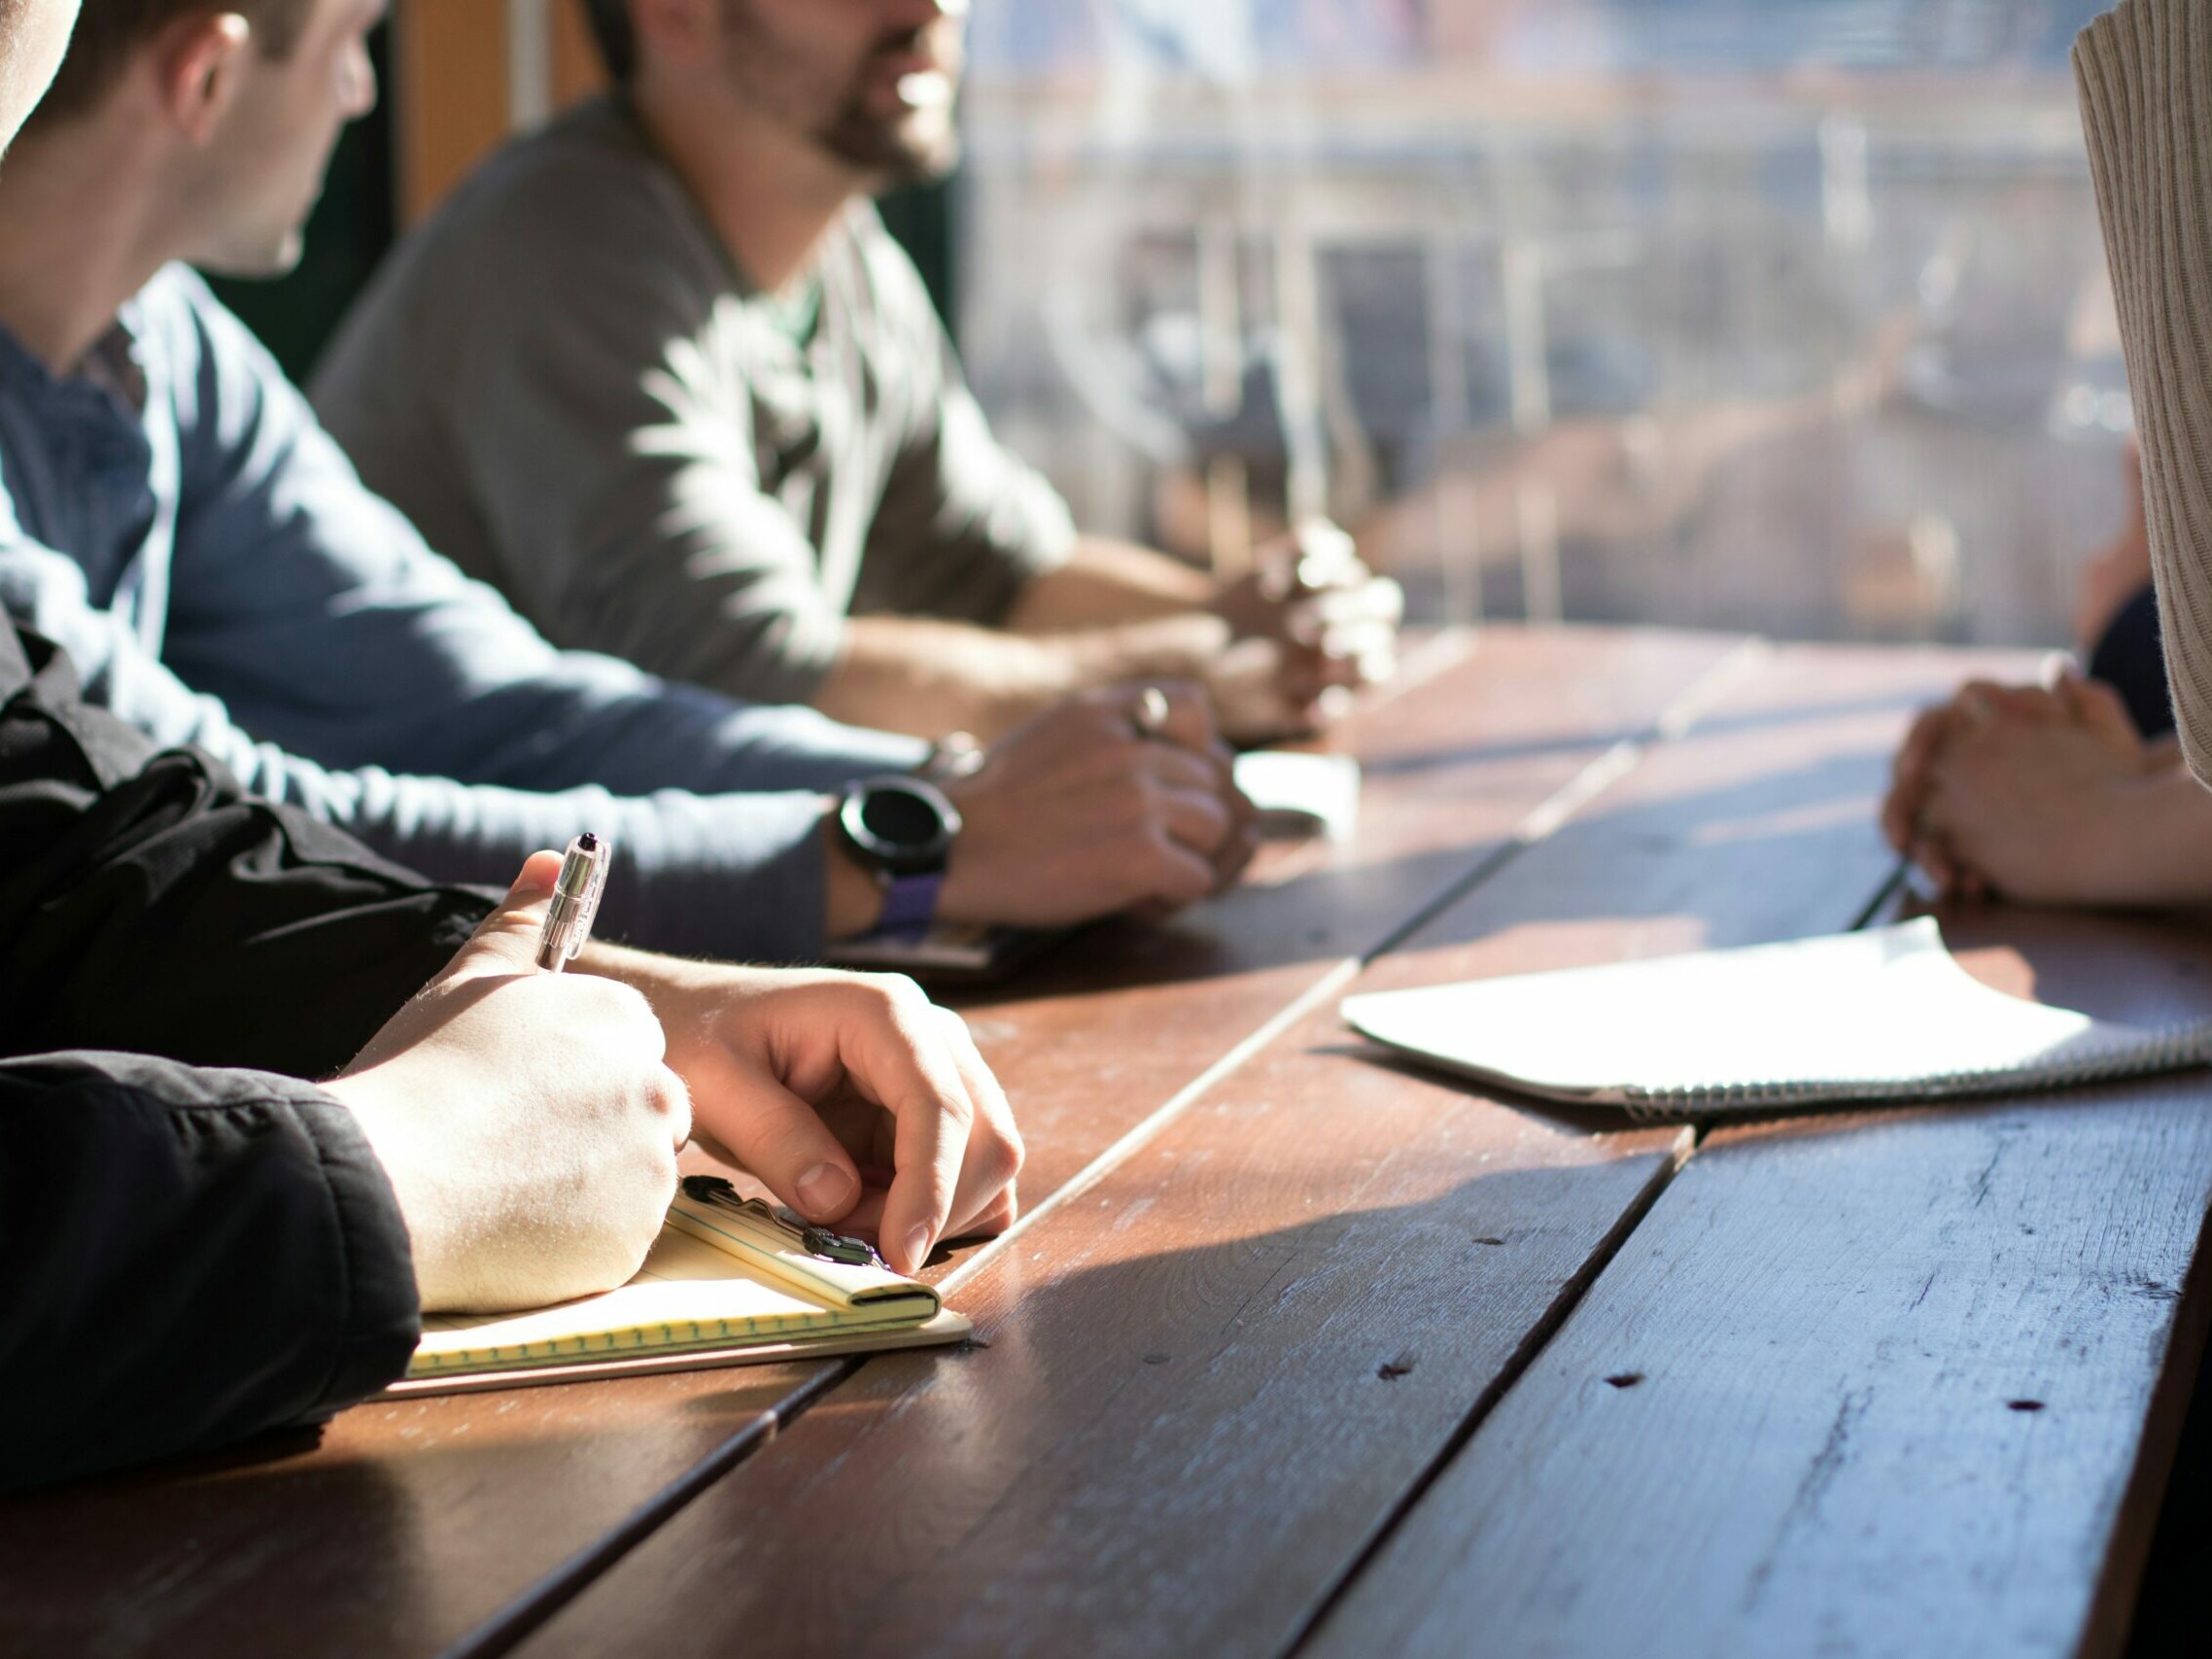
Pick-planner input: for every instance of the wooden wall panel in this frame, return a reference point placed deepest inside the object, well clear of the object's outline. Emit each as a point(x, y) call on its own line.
point(449, 93)
point(453, 96)
point(576, 71)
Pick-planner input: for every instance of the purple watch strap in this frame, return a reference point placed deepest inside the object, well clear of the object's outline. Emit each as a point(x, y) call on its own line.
point(910, 903)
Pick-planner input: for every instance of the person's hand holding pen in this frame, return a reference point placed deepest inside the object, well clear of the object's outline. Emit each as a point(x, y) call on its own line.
point(524, 1120)
point(529, 1120)
point(818, 1081)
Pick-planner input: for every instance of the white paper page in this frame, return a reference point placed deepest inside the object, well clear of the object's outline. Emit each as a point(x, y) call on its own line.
point(1885, 1009)
point(1302, 794)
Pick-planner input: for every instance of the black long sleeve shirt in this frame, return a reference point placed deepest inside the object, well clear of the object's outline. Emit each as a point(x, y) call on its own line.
point(188, 1255)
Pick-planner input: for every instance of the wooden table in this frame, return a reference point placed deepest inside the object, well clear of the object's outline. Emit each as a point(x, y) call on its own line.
point(1298, 1351)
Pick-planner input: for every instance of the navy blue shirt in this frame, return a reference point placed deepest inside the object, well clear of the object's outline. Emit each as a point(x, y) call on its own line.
point(175, 517)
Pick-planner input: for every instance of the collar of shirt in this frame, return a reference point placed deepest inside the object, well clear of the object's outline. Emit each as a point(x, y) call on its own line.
point(81, 459)
point(113, 370)
point(102, 403)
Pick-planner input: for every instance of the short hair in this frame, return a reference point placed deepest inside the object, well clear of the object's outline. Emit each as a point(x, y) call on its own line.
point(109, 31)
point(615, 35)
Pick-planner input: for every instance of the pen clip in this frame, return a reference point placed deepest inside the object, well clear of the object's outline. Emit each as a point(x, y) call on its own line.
point(816, 1241)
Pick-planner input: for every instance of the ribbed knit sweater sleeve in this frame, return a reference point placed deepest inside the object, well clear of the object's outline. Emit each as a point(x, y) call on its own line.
point(2145, 75)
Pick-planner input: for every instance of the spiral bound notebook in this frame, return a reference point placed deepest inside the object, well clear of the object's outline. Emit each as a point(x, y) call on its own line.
point(728, 1282)
point(1881, 1015)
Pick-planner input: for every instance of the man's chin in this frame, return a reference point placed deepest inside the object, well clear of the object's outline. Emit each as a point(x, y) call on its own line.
point(277, 257)
point(919, 150)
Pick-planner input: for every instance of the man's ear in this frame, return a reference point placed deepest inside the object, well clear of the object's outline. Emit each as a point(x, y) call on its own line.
point(199, 62)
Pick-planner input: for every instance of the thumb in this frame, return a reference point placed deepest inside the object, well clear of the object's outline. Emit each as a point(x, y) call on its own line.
point(1190, 721)
point(506, 942)
point(2102, 709)
point(774, 1132)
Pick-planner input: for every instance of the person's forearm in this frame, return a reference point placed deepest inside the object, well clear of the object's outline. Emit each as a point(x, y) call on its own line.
point(194, 1256)
point(2166, 857)
point(729, 875)
point(1109, 582)
point(252, 936)
point(930, 678)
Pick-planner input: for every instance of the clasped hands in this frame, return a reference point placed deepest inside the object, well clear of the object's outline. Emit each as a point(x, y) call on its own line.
point(1309, 625)
point(2041, 794)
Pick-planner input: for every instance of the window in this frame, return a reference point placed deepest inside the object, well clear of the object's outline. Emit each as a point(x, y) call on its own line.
point(1772, 314)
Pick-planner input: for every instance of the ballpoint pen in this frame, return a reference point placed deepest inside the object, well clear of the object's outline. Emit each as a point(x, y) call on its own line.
point(576, 901)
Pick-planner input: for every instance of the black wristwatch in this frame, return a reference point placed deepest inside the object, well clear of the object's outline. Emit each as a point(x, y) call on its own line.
point(902, 829)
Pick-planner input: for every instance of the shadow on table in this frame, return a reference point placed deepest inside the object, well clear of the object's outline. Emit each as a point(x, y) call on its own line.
point(2142, 968)
point(1715, 725)
point(1737, 849)
point(1251, 1358)
point(397, 1527)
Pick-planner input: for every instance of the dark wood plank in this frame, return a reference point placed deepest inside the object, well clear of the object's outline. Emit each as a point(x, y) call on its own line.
point(1215, 1370)
point(1886, 1383)
point(449, 71)
point(411, 1526)
point(383, 1534)
point(1453, 766)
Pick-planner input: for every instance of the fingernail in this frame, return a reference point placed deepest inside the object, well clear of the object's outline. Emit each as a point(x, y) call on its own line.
point(917, 1246)
point(823, 1189)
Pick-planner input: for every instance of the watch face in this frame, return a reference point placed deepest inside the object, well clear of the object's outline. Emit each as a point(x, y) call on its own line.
point(902, 823)
point(901, 817)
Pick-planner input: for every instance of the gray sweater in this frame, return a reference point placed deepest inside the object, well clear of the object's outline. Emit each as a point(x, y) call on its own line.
point(565, 382)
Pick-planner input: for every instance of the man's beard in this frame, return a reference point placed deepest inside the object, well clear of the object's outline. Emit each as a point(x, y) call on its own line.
point(915, 145)
point(919, 148)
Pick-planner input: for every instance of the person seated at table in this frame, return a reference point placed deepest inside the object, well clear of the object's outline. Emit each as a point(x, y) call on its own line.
point(2072, 793)
point(2116, 614)
point(2146, 102)
point(175, 517)
point(660, 374)
point(203, 1245)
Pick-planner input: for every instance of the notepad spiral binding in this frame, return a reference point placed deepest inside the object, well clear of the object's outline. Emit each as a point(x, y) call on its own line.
point(2154, 1049)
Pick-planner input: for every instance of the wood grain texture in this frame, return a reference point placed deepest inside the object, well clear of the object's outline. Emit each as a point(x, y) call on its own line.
point(1882, 1383)
point(1213, 1377)
point(398, 1529)
point(449, 94)
point(1113, 1024)
point(451, 101)
point(410, 1526)
point(577, 72)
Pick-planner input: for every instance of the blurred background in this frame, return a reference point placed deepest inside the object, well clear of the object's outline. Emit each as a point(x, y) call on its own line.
point(1787, 315)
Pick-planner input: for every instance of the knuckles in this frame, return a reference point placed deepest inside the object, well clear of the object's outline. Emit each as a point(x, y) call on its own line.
point(669, 1101)
point(999, 1159)
point(892, 996)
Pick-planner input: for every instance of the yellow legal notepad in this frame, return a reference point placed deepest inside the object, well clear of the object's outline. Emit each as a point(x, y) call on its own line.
point(728, 1282)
